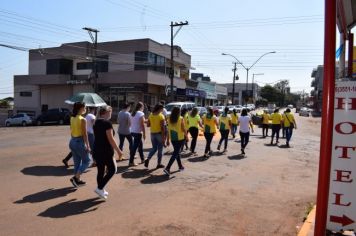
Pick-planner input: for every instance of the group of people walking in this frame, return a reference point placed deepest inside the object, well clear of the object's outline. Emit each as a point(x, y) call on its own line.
point(94, 136)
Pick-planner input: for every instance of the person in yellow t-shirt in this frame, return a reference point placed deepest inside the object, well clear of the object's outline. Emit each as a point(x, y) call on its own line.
point(224, 127)
point(79, 143)
point(156, 122)
point(276, 118)
point(210, 123)
point(177, 134)
point(194, 122)
point(265, 123)
point(289, 124)
point(234, 119)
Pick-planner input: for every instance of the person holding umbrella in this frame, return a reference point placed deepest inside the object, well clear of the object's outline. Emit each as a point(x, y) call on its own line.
point(79, 143)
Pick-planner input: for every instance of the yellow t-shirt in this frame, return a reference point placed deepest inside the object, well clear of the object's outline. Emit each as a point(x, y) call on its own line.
point(276, 118)
point(286, 121)
point(234, 118)
point(224, 121)
point(193, 121)
point(186, 119)
point(175, 130)
point(155, 122)
point(76, 126)
point(265, 118)
point(209, 124)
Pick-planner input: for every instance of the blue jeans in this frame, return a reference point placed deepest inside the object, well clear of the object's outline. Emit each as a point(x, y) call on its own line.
point(289, 133)
point(177, 145)
point(233, 129)
point(157, 144)
point(80, 155)
point(137, 144)
point(91, 140)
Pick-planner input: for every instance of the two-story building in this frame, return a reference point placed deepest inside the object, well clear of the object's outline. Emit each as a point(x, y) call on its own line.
point(128, 71)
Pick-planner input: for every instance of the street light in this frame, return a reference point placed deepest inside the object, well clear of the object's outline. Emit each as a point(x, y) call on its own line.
point(247, 68)
point(253, 86)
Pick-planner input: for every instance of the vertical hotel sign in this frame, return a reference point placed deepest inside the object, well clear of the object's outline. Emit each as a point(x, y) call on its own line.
point(342, 193)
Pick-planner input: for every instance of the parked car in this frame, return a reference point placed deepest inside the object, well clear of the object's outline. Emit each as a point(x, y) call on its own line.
point(19, 119)
point(304, 111)
point(219, 109)
point(202, 111)
point(187, 105)
point(56, 115)
point(251, 106)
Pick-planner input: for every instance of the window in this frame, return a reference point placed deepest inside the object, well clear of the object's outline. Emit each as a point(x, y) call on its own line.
point(149, 61)
point(59, 66)
point(25, 94)
point(84, 66)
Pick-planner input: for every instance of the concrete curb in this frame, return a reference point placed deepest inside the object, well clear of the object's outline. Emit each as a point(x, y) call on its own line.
point(308, 226)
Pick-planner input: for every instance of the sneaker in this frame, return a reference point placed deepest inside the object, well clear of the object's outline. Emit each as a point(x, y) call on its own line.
point(80, 183)
point(65, 163)
point(133, 164)
point(167, 172)
point(210, 153)
point(159, 166)
point(106, 192)
point(243, 151)
point(218, 147)
point(181, 169)
point(74, 182)
point(146, 163)
point(101, 193)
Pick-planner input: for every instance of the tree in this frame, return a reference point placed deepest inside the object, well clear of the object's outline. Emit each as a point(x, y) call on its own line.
point(271, 94)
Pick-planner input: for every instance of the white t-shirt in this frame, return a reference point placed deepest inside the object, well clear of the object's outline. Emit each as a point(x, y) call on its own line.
point(90, 122)
point(136, 122)
point(244, 122)
point(164, 112)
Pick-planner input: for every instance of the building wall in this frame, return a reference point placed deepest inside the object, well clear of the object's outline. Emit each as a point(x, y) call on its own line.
point(37, 67)
point(55, 96)
point(26, 103)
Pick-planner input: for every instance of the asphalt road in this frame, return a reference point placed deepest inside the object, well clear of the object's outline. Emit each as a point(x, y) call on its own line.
point(264, 193)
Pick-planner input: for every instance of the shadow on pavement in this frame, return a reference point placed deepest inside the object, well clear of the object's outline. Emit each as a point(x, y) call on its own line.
point(270, 145)
point(198, 159)
point(135, 173)
point(237, 157)
point(46, 195)
point(122, 169)
point(283, 146)
point(47, 171)
point(71, 208)
point(156, 179)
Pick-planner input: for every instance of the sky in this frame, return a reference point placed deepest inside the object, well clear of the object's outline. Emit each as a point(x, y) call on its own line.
point(245, 29)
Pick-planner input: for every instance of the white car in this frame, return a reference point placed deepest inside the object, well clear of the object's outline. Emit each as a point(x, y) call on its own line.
point(304, 111)
point(219, 108)
point(19, 119)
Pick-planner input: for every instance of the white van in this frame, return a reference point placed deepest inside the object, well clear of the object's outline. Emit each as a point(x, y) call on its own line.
point(187, 105)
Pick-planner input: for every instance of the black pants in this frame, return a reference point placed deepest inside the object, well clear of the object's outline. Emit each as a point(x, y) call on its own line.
point(224, 137)
point(102, 161)
point(177, 145)
point(137, 144)
point(275, 131)
point(122, 140)
point(194, 133)
point(209, 138)
point(244, 139)
point(284, 130)
point(265, 128)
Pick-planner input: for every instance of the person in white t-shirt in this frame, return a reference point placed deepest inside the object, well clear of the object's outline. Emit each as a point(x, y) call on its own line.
point(90, 117)
point(245, 124)
point(137, 133)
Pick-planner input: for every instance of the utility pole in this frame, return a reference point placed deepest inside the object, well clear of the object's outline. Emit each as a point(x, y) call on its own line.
point(171, 73)
point(95, 41)
point(233, 85)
